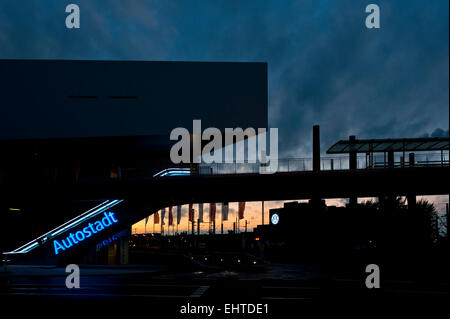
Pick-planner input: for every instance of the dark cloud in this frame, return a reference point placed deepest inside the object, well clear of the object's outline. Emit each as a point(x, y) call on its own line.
point(325, 67)
point(437, 133)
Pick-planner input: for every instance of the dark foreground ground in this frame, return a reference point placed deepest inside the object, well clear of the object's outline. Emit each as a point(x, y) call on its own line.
point(291, 291)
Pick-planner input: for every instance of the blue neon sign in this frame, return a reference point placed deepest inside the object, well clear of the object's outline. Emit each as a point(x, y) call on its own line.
point(108, 241)
point(86, 232)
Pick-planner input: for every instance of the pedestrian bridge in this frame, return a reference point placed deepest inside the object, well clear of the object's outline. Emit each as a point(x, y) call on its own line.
point(132, 200)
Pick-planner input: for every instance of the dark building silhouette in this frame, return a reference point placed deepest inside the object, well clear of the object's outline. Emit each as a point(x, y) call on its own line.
point(77, 122)
point(304, 232)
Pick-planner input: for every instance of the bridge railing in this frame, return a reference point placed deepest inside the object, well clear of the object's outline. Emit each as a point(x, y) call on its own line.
point(326, 163)
point(283, 165)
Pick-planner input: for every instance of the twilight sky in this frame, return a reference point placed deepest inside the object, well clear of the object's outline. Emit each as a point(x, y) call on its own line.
point(325, 67)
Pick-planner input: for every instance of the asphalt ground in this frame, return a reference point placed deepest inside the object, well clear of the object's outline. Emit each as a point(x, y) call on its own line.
point(288, 290)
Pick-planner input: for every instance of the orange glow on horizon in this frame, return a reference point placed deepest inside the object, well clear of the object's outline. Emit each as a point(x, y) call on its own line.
point(252, 214)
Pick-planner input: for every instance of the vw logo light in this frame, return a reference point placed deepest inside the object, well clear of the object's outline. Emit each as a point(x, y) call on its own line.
point(274, 219)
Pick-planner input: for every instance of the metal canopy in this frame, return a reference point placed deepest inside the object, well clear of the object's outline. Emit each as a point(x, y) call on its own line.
point(391, 144)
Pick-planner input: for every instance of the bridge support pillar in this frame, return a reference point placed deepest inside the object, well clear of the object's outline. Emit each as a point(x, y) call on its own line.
point(124, 248)
point(411, 159)
point(391, 159)
point(446, 214)
point(411, 198)
point(353, 200)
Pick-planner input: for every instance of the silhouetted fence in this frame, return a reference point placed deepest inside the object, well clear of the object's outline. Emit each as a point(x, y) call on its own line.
point(326, 163)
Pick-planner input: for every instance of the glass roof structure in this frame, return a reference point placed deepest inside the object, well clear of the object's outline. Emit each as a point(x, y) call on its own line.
point(386, 145)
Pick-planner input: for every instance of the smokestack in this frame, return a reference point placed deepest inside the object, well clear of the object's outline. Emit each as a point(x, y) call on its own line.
point(352, 154)
point(316, 148)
